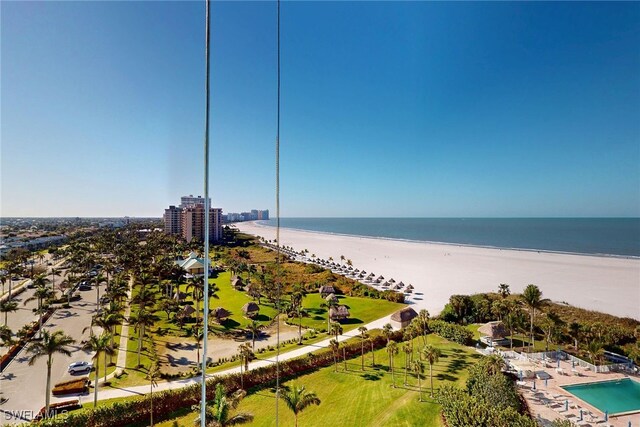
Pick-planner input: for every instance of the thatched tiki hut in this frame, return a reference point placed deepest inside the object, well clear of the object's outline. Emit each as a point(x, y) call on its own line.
point(338, 313)
point(331, 299)
point(250, 309)
point(494, 330)
point(402, 318)
point(186, 312)
point(220, 314)
point(326, 290)
point(237, 283)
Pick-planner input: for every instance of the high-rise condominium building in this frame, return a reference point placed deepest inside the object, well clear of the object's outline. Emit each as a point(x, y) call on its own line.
point(187, 220)
point(173, 220)
point(190, 201)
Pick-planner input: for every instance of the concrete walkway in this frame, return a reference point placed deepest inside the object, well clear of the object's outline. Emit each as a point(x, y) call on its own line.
point(121, 361)
point(111, 393)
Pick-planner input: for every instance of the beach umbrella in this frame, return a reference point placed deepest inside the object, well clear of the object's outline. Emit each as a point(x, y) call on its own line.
point(392, 281)
point(401, 284)
point(364, 272)
point(357, 271)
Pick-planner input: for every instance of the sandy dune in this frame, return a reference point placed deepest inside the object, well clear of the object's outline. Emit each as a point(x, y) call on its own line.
point(610, 285)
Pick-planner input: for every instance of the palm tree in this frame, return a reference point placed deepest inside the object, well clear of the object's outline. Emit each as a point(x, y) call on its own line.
point(335, 349)
point(373, 354)
point(407, 349)
point(431, 354)
point(532, 297)
point(392, 350)
point(298, 399)
point(335, 329)
point(423, 319)
point(575, 329)
point(50, 344)
point(494, 363)
point(54, 273)
point(418, 368)
point(217, 414)
point(595, 350)
point(153, 373)
point(141, 320)
point(6, 336)
point(7, 306)
point(144, 298)
point(42, 293)
point(363, 336)
point(245, 356)
point(99, 344)
point(328, 304)
point(503, 290)
point(254, 327)
point(387, 331)
point(196, 287)
point(296, 300)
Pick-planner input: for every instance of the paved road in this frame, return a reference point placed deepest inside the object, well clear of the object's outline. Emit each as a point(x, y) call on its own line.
point(23, 385)
point(25, 314)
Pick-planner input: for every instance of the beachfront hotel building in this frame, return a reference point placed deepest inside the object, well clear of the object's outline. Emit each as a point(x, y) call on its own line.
point(188, 220)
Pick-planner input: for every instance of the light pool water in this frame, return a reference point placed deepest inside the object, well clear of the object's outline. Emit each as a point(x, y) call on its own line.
point(616, 396)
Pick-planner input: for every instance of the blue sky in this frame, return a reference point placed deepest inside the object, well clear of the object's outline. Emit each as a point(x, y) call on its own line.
point(388, 109)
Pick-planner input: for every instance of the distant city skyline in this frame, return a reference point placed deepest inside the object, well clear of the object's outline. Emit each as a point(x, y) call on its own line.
point(389, 109)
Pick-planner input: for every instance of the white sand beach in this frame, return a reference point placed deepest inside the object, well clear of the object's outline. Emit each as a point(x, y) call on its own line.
point(606, 284)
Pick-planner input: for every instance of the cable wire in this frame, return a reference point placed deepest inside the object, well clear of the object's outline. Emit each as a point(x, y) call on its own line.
point(278, 222)
point(205, 294)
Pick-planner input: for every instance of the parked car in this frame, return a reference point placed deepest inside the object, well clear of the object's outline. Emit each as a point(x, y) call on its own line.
point(84, 286)
point(76, 367)
point(93, 273)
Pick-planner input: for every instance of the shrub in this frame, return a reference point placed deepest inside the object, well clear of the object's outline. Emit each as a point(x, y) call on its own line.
point(77, 385)
point(452, 332)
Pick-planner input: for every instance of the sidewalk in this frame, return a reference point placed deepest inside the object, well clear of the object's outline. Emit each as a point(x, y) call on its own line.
point(170, 385)
point(121, 362)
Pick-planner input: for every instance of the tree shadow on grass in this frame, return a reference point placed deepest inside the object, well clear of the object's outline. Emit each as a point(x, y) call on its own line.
point(457, 364)
point(351, 321)
point(446, 377)
point(230, 324)
point(372, 376)
point(262, 318)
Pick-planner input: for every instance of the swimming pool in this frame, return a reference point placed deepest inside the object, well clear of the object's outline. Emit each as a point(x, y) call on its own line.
point(615, 396)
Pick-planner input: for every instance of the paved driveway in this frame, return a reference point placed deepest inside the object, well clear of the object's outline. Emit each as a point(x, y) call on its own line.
point(23, 385)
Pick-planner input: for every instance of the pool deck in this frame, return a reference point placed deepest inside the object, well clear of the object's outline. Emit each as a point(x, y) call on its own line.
point(548, 403)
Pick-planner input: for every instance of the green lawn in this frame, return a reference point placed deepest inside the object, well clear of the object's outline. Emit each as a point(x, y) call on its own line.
point(362, 311)
point(357, 398)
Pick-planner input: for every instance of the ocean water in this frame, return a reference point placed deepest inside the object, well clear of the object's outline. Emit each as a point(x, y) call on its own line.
point(594, 236)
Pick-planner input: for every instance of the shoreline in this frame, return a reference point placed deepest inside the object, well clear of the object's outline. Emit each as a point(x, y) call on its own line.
point(607, 284)
point(435, 242)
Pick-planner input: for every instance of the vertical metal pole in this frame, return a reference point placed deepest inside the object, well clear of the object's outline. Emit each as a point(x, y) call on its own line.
point(205, 321)
point(278, 224)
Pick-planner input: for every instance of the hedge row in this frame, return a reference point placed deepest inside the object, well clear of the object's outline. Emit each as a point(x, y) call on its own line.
point(169, 401)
